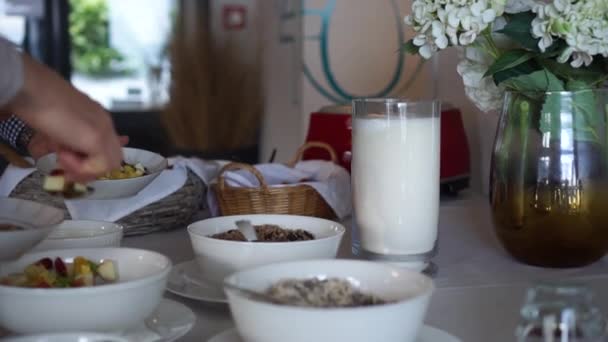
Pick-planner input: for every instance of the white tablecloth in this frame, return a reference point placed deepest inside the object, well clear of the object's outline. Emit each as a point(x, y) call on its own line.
point(479, 287)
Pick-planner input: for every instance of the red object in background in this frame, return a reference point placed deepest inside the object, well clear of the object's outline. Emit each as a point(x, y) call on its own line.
point(234, 17)
point(334, 129)
point(332, 125)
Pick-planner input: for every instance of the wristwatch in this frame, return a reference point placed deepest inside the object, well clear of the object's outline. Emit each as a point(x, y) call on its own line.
point(24, 138)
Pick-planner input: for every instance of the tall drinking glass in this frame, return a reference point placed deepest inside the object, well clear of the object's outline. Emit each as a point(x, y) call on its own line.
point(395, 179)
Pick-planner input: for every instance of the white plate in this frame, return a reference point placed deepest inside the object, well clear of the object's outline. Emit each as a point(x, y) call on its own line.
point(173, 317)
point(427, 334)
point(185, 280)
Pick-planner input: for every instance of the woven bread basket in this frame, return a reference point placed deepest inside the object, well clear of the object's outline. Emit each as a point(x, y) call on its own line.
point(300, 199)
point(174, 211)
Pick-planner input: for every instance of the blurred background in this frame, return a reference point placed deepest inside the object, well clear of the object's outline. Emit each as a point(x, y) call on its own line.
point(236, 79)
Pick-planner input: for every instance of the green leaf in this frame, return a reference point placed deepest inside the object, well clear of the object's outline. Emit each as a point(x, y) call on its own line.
point(586, 119)
point(591, 75)
point(518, 28)
point(538, 81)
point(522, 69)
point(575, 113)
point(508, 60)
point(550, 117)
point(410, 48)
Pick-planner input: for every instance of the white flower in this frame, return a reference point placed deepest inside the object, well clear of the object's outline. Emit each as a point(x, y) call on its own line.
point(439, 23)
point(582, 24)
point(479, 89)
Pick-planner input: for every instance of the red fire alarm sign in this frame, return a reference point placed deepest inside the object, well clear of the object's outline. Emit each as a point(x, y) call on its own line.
point(234, 17)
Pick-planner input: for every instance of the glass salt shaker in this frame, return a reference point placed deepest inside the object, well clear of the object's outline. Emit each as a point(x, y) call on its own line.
point(561, 313)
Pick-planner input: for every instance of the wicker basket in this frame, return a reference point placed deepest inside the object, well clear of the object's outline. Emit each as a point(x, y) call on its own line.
point(294, 200)
point(174, 211)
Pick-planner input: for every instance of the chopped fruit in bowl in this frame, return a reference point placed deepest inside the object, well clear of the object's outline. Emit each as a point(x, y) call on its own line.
point(126, 171)
point(47, 273)
point(56, 183)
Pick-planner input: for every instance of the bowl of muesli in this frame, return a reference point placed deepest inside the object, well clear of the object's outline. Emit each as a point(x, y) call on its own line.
point(328, 300)
point(221, 249)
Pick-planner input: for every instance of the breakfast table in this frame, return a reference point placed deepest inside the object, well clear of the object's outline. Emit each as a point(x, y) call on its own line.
point(480, 289)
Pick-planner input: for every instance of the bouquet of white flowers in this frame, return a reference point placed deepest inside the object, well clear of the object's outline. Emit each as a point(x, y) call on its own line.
point(518, 45)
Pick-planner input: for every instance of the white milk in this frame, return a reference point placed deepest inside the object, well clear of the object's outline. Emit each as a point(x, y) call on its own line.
point(395, 177)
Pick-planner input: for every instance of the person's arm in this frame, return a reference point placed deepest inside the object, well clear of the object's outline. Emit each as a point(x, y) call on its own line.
point(81, 129)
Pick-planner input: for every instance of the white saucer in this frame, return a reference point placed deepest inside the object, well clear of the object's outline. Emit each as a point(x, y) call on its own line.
point(174, 318)
point(185, 280)
point(427, 334)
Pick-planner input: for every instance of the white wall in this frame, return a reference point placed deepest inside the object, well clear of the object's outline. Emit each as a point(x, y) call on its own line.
point(362, 40)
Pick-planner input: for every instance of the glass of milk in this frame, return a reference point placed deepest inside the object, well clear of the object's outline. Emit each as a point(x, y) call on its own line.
point(395, 179)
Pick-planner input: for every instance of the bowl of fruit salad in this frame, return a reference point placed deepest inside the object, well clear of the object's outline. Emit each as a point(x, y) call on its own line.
point(139, 168)
point(23, 224)
point(93, 289)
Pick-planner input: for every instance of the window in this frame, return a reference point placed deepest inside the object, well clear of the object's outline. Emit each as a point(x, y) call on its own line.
point(12, 26)
point(119, 51)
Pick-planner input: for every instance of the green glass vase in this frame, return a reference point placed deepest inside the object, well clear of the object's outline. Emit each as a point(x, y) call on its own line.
point(549, 178)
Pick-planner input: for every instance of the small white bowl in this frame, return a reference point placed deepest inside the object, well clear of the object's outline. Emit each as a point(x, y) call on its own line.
point(106, 308)
point(82, 234)
point(398, 321)
point(219, 258)
point(117, 188)
point(38, 219)
point(68, 337)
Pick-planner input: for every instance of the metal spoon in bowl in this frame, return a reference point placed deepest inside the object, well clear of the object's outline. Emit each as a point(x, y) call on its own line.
point(247, 229)
point(255, 295)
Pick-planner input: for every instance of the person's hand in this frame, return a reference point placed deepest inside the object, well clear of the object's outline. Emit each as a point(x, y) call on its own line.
point(81, 130)
point(40, 145)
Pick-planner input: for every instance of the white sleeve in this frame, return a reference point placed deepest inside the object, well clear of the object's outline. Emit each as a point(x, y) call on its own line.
point(11, 71)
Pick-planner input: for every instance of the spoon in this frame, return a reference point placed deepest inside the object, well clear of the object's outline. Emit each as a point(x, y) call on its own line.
point(255, 295)
point(247, 229)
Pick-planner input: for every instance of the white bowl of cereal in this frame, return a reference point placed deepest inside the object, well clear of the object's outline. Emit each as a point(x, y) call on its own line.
point(96, 289)
point(329, 300)
point(140, 168)
point(23, 224)
point(220, 251)
point(82, 234)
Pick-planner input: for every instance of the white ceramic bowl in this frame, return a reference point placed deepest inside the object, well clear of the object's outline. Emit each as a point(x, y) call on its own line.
point(117, 188)
point(108, 308)
point(219, 258)
point(82, 234)
point(38, 219)
point(399, 321)
point(68, 337)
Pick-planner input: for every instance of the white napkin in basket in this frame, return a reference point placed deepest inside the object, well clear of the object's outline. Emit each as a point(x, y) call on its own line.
point(331, 181)
point(168, 182)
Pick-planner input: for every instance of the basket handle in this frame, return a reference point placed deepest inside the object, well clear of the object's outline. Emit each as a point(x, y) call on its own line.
point(221, 182)
point(311, 144)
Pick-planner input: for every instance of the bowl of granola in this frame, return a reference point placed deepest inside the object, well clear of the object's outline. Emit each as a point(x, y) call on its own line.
point(221, 249)
point(328, 300)
point(23, 224)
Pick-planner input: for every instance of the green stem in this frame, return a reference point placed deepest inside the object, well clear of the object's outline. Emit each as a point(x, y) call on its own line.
point(524, 127)
point(493, 49)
